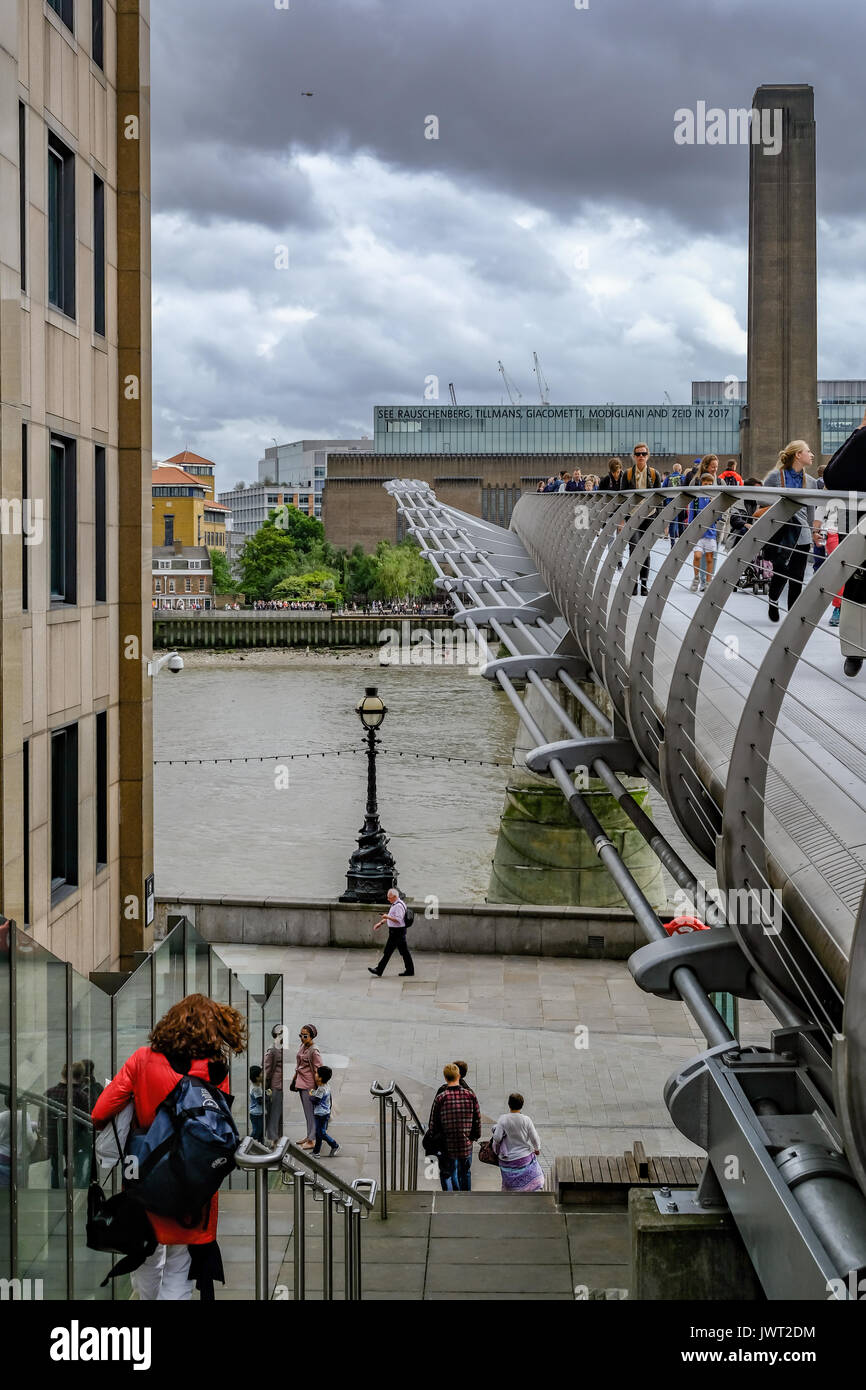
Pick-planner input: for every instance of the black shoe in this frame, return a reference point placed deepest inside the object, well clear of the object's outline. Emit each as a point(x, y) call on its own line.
point(377, 973)
point(773, 612)
point(643, 590)
point(404, 973)
point(852, 665)
point(335, 1149)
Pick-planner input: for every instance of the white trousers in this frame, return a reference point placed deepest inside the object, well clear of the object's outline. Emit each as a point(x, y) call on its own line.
point(164, 1275)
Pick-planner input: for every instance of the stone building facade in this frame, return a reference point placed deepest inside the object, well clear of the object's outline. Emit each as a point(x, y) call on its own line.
point(76, 758)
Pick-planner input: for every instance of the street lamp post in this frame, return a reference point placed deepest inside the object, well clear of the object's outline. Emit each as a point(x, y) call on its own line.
point(371, 869)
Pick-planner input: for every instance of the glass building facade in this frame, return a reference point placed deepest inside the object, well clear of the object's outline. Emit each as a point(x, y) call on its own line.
point(709, 425)
point(61, 1037)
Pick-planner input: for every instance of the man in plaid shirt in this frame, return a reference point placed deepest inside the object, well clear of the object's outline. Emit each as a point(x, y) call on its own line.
point(455, 1119)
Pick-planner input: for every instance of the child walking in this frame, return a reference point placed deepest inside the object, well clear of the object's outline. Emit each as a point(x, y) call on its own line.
point(257, 1103)
point(321, 1098)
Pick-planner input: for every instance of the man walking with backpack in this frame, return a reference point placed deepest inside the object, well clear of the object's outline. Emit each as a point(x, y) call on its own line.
point(399, 916)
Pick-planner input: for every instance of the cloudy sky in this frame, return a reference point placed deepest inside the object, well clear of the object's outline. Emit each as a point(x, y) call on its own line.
point(314, 256)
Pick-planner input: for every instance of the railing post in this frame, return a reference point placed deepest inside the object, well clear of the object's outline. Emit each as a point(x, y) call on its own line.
point(348, 1260)
point(413, 1160)
point(261, 1200)
point(393, 1103)
point(328, 1245)
point(356, 1223)
point(402, 1152)
point(300, 1237)
point(383, 1160)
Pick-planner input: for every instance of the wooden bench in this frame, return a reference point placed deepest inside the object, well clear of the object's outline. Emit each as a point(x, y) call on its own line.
point(587, 1180)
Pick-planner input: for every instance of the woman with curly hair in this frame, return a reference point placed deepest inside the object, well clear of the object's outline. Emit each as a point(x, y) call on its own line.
point(194, 1038)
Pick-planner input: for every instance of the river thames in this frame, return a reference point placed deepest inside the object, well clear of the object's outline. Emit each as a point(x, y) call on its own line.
point(237, 828)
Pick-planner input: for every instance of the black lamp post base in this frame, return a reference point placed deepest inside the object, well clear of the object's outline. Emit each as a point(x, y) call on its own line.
point(367, 888)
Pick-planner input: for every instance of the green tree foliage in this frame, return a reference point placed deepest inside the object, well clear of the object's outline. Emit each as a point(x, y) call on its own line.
point(224, 581)
point(394, 572)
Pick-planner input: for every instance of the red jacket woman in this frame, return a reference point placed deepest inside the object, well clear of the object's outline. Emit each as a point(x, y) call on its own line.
point(194, 1037)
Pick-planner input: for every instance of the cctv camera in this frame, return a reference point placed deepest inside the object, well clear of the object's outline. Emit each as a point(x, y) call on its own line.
point(175, 663)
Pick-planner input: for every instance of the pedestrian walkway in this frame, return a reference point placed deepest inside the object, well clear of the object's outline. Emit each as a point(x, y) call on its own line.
point(516, 1020)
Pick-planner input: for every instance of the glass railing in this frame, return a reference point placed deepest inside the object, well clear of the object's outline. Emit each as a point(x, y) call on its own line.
point(61, 1038)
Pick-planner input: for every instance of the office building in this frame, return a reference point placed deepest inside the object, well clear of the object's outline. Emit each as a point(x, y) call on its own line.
point(76, 757)
point(301, 467)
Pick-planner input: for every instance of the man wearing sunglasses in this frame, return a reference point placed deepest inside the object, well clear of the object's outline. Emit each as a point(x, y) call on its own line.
point(635, 479)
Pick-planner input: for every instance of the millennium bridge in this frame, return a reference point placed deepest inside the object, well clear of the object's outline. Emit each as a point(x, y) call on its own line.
point(756, 740)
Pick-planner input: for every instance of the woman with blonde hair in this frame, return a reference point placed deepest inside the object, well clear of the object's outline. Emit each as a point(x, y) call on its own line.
point(194, 1038)
point(791, 544)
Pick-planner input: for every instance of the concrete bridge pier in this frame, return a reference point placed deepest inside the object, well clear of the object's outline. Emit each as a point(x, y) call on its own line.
point(542, 854)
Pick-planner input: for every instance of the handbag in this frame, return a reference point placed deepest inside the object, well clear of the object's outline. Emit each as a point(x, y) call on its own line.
point(487, 1153)
point(111, 1141)
point(431, 1142)
point(117, 1225)
point(292, 1086)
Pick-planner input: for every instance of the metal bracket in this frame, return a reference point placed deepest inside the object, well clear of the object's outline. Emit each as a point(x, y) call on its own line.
point(618, 753)
point(715, 956)
point(683, 1201)
point(518, 667)
point(483, 616)
point(464, 581)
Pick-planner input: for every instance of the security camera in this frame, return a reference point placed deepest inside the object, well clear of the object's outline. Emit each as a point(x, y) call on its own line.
point(175, 663)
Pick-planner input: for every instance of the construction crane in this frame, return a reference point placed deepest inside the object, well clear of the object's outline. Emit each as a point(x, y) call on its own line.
point(667, 398)
point(452, 393)
point(543, 388)
point(510, 387)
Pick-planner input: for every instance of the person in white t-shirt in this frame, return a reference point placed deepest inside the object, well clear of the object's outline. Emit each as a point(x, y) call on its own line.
point(396, 919)
point(517, 1146)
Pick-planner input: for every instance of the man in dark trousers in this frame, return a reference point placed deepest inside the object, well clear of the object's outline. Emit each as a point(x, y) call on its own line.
point(634, 479)
point(455, 1118)
point(396, 919)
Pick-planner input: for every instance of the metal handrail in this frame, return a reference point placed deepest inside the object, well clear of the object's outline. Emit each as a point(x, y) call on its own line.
point(300, 1171)
point(394, 1096)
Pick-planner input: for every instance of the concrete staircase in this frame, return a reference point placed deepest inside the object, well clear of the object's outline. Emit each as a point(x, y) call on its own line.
point(439, 1246)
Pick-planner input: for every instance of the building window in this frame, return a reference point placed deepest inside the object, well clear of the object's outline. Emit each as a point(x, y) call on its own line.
point(157, 586)
point(64, 810)
point(100, 593)
point(168, 538)
point(62, 521)
point(201, 586)
point(61, 227)
point(187, 586)
point(25, 549)
point(171, 588)
point(97, 40)
point(98, 256)
point(22, 190)
point(65, 9)
point(101, 789)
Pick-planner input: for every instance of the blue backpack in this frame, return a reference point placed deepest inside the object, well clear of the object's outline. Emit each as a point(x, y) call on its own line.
point(185, 1154)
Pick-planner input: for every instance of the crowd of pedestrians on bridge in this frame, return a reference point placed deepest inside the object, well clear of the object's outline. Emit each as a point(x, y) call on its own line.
point(812, 533)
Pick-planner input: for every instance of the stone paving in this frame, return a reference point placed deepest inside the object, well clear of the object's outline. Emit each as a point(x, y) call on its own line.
point(514, 1020)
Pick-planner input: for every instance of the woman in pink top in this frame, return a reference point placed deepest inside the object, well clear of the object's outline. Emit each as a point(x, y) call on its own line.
point(307, 1061)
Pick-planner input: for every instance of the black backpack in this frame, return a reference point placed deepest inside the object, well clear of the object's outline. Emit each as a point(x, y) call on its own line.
point(117, 1226)
point(409, 918)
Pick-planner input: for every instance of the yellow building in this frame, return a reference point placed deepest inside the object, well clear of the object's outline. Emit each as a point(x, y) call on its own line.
point(202, 469)
point(184, 509)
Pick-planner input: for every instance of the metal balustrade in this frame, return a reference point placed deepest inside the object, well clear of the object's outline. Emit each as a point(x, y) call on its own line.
point(300, 1171)
point(402, 1176)
point(757, 742)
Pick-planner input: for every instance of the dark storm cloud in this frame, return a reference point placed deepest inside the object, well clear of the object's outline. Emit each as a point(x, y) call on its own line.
point(410, 257)
point(533, 96)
